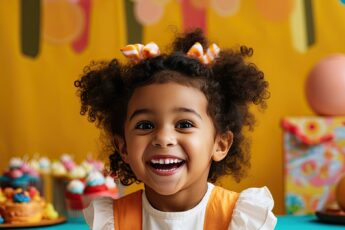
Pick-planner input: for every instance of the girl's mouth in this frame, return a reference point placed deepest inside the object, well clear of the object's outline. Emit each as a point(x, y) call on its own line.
point(165, 166)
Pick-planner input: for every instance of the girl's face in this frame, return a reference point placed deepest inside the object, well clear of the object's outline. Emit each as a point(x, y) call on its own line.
point(170, 140)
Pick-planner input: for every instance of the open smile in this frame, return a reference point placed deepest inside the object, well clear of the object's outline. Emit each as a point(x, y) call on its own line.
point(165, 166)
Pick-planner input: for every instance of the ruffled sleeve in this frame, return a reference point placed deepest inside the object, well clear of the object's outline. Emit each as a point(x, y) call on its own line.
point(253, 210)
point(99, 214)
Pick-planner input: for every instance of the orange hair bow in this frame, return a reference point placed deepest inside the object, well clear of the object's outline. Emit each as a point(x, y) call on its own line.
point(138, 52)
point(197, 51)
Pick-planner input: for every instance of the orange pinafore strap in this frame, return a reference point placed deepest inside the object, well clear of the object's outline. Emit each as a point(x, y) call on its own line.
point(219, 209)
point(127, 212)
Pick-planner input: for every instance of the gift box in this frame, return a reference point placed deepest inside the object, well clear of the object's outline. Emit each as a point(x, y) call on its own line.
point(314, 155)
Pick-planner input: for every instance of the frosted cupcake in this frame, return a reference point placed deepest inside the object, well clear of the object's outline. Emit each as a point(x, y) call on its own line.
point(22, 208)
point(112, 186)
point(74, 203)
point(27, 206)
point(87, 166)
point(44, 165)
point(96, 187)
point(77, 173)
point(19, 175)
point(58, 169)
point(68, 162)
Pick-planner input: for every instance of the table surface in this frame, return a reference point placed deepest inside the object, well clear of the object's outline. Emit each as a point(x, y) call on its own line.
point(284, 222)
point(304, 223)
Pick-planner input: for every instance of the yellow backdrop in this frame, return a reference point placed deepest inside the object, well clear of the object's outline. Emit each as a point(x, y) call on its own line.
point(40, 111)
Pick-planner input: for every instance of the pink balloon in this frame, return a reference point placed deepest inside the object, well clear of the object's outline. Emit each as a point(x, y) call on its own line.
point(147, 12)
point(325, 86)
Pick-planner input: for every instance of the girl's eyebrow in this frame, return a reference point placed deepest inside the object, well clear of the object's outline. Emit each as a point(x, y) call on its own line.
point(179, 109)
point(140, 111)
point(183, 109)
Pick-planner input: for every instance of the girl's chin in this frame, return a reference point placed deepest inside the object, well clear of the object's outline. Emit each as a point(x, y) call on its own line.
point(162, 190)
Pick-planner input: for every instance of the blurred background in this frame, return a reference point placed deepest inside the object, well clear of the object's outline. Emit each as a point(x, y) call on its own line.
point(45, 44)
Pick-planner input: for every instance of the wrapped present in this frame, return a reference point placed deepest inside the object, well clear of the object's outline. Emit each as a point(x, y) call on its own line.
point(314, 149)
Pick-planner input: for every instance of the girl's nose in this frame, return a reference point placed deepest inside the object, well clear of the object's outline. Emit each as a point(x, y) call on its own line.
point(164, 138)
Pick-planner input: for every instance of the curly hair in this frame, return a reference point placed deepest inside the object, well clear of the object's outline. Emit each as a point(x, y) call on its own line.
point(230, 85)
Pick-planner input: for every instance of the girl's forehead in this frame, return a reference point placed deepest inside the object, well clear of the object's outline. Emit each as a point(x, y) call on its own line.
point(165, 96)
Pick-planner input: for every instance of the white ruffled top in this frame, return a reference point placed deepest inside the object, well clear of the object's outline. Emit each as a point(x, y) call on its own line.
point(253, 210)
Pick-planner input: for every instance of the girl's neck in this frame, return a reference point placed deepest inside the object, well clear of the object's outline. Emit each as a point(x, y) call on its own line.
point(178, 202)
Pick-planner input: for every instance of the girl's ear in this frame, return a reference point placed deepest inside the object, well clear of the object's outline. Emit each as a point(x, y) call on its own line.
point(222, 145)
point(121, 147)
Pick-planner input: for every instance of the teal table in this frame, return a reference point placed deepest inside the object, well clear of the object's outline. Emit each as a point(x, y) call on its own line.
point(304, 223)
point(63, 226)
point(284, 222)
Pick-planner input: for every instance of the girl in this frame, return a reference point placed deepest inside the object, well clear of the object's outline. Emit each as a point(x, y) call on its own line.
point(176, 123)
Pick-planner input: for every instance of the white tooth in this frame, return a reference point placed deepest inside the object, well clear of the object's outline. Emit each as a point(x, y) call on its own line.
point(171, 161)
point(175, 161)
point(161, 161)
point(154, 161)
point(166, 161)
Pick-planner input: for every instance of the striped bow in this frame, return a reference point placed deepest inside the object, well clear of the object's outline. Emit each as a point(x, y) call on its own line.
point(197, 51)
point(138, 52)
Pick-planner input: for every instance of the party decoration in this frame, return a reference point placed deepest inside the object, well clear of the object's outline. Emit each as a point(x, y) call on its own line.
point(314, 150)
point(199, 4)
point(302, 25)
point(226, 7)
point(325, 86)
point(134, 28)
point(80, 43)
point(147, 12)
point(63, 21)
point(193, 17)
point(277, 10)
point(30, 21)
point(161, 2)
point(60, 21)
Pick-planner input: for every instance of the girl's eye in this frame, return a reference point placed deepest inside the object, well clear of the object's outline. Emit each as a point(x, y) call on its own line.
point(184, 124)
point(144, 125)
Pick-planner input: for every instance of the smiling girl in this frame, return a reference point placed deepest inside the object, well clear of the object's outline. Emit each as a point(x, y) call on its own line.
point(176, 123)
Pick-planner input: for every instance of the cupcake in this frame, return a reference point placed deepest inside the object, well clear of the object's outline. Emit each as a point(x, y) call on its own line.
point(68, 162)
point(77, 173)
point(44, 165)
point(88, 167)
point(15, 162)
point(112, 187)
point(21, 207)
point(74, 203)
point(96, 164)
point(96, 187)
point(19, 176)
point(58, 169)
